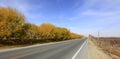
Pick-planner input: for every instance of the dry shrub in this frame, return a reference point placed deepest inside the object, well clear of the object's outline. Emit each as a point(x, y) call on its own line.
point(110, 45)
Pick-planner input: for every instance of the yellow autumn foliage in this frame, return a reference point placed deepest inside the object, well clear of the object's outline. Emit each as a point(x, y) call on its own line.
point(13, 26)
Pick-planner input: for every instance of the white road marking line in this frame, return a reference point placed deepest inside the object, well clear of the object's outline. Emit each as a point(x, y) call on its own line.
point(79, 50)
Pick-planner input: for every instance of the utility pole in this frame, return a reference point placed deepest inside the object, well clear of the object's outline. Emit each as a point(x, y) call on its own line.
point(98, 35)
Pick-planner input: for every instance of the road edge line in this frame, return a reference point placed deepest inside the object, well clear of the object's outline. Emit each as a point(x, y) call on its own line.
point(74, 56)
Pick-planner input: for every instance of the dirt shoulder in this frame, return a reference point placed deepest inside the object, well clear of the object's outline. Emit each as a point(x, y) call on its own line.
point(95, 52)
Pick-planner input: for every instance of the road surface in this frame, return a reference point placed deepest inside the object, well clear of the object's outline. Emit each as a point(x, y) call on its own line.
point(71, 49)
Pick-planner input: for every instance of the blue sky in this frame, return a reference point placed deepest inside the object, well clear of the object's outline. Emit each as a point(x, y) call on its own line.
point(79, 16)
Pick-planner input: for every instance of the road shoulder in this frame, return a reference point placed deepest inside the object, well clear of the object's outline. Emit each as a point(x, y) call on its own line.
point(94, 52)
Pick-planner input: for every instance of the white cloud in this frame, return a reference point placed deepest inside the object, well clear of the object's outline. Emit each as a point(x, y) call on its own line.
point(99, 13)
point(104, 5)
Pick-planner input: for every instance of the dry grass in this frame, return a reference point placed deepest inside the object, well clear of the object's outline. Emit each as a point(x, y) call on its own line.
point(94, 52)
point(109, 45)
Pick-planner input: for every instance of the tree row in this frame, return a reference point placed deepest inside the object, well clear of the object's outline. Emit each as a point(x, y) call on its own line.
point(15, 30)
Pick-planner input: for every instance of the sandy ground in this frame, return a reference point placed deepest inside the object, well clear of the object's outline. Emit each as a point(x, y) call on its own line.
point(94, 52)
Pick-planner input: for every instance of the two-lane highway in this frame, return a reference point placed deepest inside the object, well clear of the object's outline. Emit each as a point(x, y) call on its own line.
point(61, 50)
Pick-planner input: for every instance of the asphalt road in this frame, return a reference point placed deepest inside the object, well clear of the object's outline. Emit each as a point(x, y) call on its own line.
point(71, 49)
